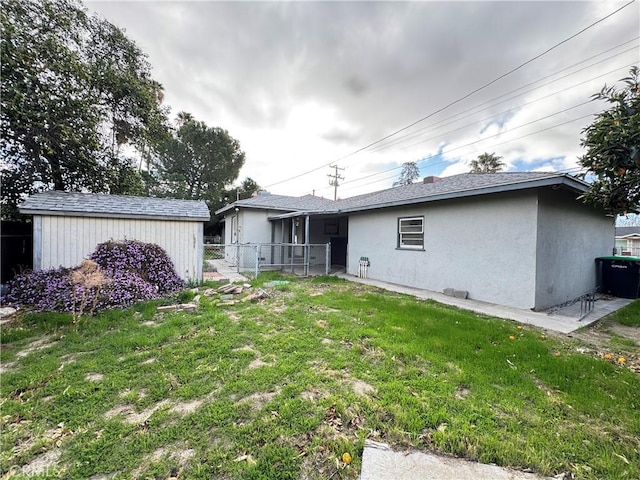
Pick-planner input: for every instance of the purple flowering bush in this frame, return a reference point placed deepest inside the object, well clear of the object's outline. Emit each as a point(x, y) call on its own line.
point(147, 260)
point(133, 271)
point(43, 290)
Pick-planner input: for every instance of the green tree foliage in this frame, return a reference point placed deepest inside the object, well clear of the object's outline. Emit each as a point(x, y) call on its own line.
point(487, 163)
point(613, 148)
point(198, 163)
point(74, 91)
point(247, 188)
point(409, 174)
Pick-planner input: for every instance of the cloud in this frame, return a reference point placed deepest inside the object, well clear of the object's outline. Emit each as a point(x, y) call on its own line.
point(302, 84)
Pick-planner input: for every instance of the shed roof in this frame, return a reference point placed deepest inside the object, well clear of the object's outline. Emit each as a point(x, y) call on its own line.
point(455, 186)
point(100, 205)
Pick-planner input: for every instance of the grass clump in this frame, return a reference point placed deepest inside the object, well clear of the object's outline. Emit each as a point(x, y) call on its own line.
point(629, 315)
point(282, 388)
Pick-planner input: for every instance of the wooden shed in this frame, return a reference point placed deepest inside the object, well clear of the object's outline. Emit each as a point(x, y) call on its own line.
point(67, 227)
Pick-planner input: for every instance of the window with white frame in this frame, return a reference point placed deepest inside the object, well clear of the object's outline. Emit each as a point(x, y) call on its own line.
point(411, 233)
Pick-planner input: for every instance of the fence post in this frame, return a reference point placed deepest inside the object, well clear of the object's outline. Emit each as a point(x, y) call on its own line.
point(257, 259)
point(327, 259)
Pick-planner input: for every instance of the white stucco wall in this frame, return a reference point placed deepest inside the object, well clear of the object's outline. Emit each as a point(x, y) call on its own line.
point(66, 241)
point(570, 235)
point(485, 245)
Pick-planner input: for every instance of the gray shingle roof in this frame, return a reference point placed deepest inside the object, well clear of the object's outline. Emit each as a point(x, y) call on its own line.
point(456, 186)
point(113, 206)
point(284, 203)
point(624, 231)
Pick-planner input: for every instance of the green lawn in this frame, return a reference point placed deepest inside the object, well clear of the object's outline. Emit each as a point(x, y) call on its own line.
point(629, 315)
point(282, 388)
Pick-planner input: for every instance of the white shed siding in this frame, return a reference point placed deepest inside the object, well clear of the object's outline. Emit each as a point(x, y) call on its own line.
point(485, 246)
point(69, 240)
point(570, 236)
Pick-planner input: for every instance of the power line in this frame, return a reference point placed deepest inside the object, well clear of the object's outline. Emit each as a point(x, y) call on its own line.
point(450, 104)
point(479, 107)
point(515, 108)
point(467, 145)
point(484, 119)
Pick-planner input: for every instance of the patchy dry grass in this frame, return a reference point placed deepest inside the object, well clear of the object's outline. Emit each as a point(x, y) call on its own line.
point(282, 388)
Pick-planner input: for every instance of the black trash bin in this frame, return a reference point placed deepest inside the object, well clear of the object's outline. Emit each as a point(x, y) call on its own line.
point(619, 276)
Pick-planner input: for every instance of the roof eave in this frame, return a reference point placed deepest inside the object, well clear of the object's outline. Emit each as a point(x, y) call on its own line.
point(256, 207)
point(69, 213)
point(284, 216)
point(572, 183)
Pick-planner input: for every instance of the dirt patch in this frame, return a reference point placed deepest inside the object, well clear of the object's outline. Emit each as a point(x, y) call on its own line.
point(257, 363)
point(6, 367)
point(149, 360)
point(326, 341)
point(72, 357)
point(46, 463)
point(94, 377)
point(185, 408)
point(259, 399)
point(609, 340)
point(40, 344)
point(131, 416)
point(313, 395)
point(150, 323)
point(246, 348)
point(362, 388)
point(462, 392)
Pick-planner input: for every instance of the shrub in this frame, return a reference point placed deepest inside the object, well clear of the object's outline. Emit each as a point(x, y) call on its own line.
point(43, 290)
point(147, 260)
point(123, 273)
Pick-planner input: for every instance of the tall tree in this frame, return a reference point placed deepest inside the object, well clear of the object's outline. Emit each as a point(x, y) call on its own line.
point(487, 163)
point(199, 162)
point(409, 174)
point(613, 148)
point(74, 90)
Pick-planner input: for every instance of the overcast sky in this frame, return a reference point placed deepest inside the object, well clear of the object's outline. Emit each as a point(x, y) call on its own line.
point(305, 84)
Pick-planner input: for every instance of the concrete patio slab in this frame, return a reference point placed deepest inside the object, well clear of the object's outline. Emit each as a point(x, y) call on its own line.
point(379, 462)
point(565, 321)
point(226, 271)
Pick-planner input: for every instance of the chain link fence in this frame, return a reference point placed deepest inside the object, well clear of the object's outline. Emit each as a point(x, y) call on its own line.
point(312, 259)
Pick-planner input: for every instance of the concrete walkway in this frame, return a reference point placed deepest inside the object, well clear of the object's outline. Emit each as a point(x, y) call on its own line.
point(379, 462)
point(224, 271)
point(565, 321)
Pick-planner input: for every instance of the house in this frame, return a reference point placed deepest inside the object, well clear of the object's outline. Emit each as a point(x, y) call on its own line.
point(67, 227)
point(628, 241)
point(522, 239)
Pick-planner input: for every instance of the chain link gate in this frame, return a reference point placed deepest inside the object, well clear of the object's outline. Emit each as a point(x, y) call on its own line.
point(299, 259)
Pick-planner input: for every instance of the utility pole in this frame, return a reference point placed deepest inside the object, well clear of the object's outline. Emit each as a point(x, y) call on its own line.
point(335, 180)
